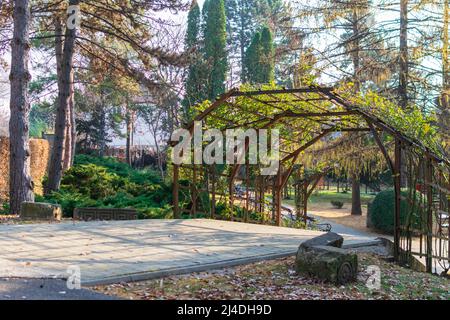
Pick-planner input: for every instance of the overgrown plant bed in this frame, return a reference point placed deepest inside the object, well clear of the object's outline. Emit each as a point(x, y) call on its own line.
point(277, 280)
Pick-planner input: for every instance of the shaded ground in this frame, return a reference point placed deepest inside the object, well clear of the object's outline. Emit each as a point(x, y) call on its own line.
point(277, 279)
point(45, 289)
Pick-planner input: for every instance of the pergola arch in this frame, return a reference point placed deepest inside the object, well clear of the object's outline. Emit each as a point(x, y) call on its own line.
point(305, 116)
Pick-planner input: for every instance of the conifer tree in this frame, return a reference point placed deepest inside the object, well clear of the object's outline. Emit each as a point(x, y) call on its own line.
point(253, 55)
point(242, 22)
point(259, 59)
point(215, 47)
point(194, 85)
point(267, 56)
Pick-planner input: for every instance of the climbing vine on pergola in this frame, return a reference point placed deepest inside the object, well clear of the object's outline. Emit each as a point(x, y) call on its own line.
point(305, 116)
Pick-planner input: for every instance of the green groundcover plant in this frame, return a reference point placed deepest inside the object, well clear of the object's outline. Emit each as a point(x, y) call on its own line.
point(108, 183)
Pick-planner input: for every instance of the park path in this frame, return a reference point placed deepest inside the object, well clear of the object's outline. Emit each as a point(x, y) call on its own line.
point(108, 252)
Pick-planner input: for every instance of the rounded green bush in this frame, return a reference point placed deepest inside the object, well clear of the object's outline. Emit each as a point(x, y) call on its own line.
point(382, 211)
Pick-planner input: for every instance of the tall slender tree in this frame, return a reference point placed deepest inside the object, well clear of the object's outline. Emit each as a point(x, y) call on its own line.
point(260, 58)
point(195, 81)
point(242, 22)
point(215, 47)
point(444, 101)
point(267, 61)
point(403, 56)
point(21, 185)
point(64, 101)
point(252, 58)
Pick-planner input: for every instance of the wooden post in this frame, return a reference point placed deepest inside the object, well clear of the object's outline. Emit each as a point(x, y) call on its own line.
point(176, 205)
point(397, 190)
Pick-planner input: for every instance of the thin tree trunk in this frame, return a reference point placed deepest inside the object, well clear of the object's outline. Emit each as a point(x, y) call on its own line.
point(59, 48)
point(129, 124)
point(102, 125)
point(242, 43)
point(445, 95)
point(73, 126)
point(403, 63)
point(404, 70)
point(64, 100)
point(21, 185)
point(356, 196)
point(68, 147)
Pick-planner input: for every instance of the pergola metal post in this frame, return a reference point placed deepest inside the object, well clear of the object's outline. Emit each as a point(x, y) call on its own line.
point(429, 222)
point(397, 191)
point(176, 205)
point(213, 191)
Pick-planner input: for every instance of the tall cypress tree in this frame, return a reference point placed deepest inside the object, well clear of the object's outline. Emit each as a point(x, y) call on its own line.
point(195, 82)
point(267, 63)
point(252, 58)
point(215, 47)
point(259, 59)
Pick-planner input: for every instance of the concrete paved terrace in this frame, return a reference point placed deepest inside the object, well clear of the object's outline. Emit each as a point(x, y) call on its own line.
point(116, 251)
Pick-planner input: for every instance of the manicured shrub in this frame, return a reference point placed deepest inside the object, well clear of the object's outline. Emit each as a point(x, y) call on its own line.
point(382, 211)
point(337, 204)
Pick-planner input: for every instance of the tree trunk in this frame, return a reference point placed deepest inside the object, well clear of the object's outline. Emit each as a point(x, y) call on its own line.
point(102, 130)
point(21, 185)
point(445, 95)
point(356, 196)
point(64, 101)
point(242, 43)
point(404, 71)
point(73, 125)
point(68, 136)
point(59, 48)
point(130, 125)
point(403, 63)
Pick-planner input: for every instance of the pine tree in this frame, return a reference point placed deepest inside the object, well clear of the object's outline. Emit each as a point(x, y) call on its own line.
point(242, 22)
point(194, 85)
point(215, 47)
point(21, 185)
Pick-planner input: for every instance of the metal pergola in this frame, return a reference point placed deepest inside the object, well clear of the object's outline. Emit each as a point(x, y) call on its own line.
point(305, 116)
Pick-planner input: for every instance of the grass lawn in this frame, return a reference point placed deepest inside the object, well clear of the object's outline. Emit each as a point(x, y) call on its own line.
point(324, 196)
point(277, 280)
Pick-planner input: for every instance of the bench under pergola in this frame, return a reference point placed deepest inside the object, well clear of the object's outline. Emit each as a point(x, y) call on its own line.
point(304, 117)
